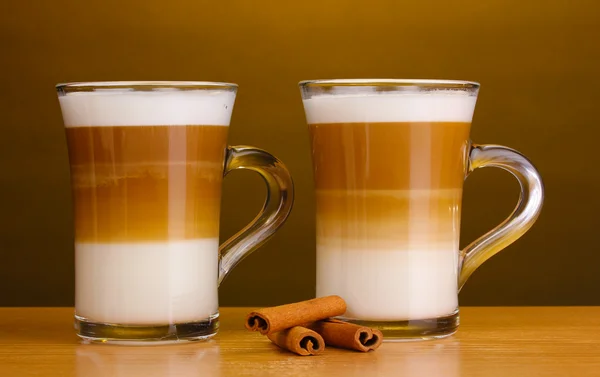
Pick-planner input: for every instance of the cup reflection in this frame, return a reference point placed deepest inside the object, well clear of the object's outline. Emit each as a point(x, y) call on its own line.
point(164, 361)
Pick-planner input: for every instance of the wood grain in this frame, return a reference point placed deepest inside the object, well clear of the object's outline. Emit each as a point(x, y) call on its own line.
point(502, 341)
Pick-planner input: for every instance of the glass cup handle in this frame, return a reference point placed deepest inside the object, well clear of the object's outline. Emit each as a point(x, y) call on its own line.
point(522, 218)
point(277, 207)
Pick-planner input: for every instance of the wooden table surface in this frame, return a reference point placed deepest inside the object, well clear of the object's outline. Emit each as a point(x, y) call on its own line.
point(491, 342)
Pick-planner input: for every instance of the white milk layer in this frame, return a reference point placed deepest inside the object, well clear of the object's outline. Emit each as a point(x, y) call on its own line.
point(391, 284)
point(147, 283)
point(434, 106)
point(153, 108)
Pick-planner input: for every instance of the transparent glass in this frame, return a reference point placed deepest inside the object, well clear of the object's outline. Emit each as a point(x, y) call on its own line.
point(147, 161)
point(390, 158)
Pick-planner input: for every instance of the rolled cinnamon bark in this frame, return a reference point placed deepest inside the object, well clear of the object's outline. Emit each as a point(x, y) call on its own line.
point(348, 335)
point(277, 318)
point(300, 340)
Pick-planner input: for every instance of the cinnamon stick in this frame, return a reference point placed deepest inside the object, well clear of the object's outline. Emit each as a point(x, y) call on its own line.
point(348, 335)
point(277, 318)
point(299, 340)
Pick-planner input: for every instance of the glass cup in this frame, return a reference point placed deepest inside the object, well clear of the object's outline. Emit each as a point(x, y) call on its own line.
point(390, 158)
point(147, 161)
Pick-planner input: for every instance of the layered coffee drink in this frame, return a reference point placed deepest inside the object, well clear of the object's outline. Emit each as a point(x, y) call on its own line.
point(146, 170)
point(389, 171)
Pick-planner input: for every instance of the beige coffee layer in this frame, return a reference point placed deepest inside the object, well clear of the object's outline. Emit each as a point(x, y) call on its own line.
point(389, 156)
point(387, 218)
point(146, 183)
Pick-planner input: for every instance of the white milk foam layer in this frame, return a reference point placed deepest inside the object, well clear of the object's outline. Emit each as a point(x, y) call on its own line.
point(147, 283)
point(391, 285)
point(155, 108)
point(436, 106)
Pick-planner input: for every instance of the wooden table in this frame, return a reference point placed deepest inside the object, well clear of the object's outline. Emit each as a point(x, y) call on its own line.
point(491, 342)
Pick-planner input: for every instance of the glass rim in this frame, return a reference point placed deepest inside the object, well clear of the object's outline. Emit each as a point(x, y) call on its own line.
point(426, 83)
point(145, 84)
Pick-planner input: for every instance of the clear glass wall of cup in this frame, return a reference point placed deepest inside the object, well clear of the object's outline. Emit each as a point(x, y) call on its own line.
point(390, 158)
point(147, 161)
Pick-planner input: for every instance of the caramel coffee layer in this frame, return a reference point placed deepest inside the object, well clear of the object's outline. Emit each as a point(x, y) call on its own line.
point(146, 183)
point(387, 218)
point(389, 156)
point(388, 185)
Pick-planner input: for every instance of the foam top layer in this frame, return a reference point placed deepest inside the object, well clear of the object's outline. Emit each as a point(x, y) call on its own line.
point(437, 106)
point(156, 108)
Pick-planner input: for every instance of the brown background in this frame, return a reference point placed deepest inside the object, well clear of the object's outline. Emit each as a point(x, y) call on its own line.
point(538, 62)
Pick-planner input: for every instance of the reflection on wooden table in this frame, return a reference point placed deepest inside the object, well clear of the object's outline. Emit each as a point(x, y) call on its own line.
point(100, 360)
point(491, 342)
